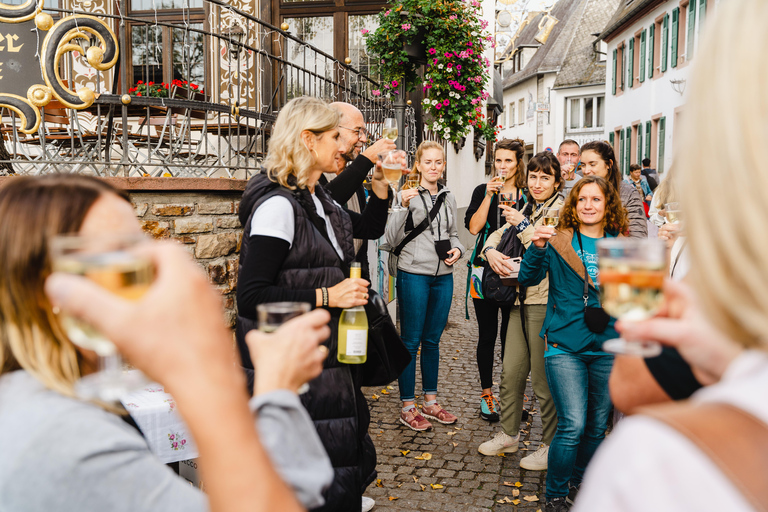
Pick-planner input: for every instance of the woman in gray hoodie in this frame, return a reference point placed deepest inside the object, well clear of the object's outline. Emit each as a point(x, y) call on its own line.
point(425, 280)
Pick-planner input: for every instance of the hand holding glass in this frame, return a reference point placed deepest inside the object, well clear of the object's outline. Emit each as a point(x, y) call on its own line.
point(631, 278)
point(551, 217)
point(673, 212)
point(389, 130)
point(113, 263)
point(394, 165)
point(274, 314)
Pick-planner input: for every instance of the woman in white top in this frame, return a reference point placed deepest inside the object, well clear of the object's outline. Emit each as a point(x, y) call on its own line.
point(647, 464)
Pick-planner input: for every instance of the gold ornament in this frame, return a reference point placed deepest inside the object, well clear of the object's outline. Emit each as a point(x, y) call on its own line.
point(348, 60)
point(284, 27)
point(39, 95)
point(409, 102)
point(43, 21)
point(126, 99)
point(94, 55)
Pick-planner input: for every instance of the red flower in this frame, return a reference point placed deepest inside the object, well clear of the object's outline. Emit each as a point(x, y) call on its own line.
point(194, 86)
point(140, 82)
point(138, 94)
point(150, 84)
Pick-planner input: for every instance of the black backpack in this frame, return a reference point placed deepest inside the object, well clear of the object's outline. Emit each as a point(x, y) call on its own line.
point(510, 245)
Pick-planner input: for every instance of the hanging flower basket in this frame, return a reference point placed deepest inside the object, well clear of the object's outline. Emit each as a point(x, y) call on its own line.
point(455, 38)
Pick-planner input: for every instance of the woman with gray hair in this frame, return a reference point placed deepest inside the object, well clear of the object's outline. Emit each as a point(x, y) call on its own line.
point(296, 246)
point(718, 439)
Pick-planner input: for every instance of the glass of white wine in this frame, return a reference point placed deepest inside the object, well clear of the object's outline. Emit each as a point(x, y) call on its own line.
point(393, 164)
point(507, 199)
point(389, 130)
point(631, 279)
point(551, 217)
point(274, 314)
point(673, 212)
point(411, 181)
point(113, 262)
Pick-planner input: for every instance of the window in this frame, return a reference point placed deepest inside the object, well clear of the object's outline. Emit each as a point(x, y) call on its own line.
point(702, 13)
point(627, 150)
point(622, 62)
point(675, 35)
point(664, 42)
point(647, 140)
point(643, 37)
point(662, 133)
point(361, 60)
point(615, 62)
point(631, 69)
point(512, 113)
point(652, 50)
point(585, 113)
point(620, 152)
point(639, 131)
point(521, 112)
point(691, 30)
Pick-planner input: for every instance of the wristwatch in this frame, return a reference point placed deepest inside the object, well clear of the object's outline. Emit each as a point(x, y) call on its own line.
point(485, 251)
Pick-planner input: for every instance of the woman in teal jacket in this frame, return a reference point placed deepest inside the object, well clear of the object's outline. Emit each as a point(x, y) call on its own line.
point(577, 368)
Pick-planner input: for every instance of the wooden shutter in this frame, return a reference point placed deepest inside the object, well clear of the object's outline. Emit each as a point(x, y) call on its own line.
point(611, 138)
point(631, 63)
point(643, 37)
point(620, 152)
point(651, 49)
point(702, 13)
point(662, 131)
point(647, 140)
point(628, 151)
point(691, 30)
point(615, 62)
point(664, 42)
point(623, 66)
point(640, 143)
point(674, 35)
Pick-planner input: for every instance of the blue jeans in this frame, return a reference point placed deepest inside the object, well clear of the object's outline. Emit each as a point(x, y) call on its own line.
point(579, 387)
point(424, 305)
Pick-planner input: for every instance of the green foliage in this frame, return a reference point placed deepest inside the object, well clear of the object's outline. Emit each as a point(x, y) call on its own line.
point(456, 73)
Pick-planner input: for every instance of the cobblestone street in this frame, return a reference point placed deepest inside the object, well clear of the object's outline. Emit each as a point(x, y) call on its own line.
point(456, 477)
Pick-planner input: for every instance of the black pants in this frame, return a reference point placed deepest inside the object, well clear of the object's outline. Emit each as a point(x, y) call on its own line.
point(487, 313)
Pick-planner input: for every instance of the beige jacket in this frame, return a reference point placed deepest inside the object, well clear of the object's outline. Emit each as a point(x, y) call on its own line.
point(535, 294)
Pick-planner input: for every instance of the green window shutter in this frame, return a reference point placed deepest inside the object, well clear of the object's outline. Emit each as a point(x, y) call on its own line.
point(615, 58)
point(647, 140)
point(664, 42)
point(620, 152)
point(643, 37)
point(662, 131)
point(651, 49)
point(623, 66)
point(691, 30)
point(628, 150)
point(674, 35)
point(611, 138)
point(702, 13)
point(631, 64)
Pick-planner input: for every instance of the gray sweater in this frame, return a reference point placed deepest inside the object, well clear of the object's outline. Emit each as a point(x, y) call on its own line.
point(419, 255)
point(630, 198)
point(61, 454)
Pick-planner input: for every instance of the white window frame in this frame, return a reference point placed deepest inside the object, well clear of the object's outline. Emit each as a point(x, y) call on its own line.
point(512, 114)
point(595, 127)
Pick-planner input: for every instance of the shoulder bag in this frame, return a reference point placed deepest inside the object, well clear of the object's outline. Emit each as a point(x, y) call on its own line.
point(504, 289)
point(394, 256)
point(597, 319)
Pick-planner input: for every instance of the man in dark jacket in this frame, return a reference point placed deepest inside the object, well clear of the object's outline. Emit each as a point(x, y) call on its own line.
point(650, 174)
point(354, 164)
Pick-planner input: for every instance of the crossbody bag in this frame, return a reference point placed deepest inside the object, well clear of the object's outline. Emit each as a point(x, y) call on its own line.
point(597, 319)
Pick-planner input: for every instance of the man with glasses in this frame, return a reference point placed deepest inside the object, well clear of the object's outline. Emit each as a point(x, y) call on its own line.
point(569, 155)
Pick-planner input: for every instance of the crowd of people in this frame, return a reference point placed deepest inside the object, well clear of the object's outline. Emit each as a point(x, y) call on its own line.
point(307, 217)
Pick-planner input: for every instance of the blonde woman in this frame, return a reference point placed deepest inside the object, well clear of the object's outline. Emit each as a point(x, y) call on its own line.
point(720, 326)
point(425, 281)
point(62, 453)
point(297, 241)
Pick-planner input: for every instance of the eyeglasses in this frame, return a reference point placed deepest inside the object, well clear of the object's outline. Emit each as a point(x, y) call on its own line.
point(361, 132)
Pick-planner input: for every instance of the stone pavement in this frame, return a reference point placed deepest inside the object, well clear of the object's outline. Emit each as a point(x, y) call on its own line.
point(470, 481)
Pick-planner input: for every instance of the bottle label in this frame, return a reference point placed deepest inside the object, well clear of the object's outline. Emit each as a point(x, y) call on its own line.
point(357, 342)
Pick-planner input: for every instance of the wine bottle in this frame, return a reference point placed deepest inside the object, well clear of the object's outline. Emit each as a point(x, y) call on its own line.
point(353, 330)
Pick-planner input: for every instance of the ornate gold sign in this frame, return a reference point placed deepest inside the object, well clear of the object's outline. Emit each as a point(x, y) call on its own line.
point(26, 58)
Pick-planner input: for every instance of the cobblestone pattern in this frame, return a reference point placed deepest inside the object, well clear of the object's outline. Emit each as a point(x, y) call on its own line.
point(206, 224)
point(470, 481)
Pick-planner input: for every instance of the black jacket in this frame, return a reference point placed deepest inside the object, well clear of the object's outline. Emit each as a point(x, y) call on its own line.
point(334, 401)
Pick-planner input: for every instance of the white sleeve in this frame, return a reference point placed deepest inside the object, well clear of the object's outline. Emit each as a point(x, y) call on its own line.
point(274, 217)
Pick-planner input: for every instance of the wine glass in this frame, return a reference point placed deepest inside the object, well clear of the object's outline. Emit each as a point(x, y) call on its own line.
point(673, 212)
point(274, 314)
point(393, 164)
point(507, 199)
point(390, 128)
point(113, 262)
point(551, 217)
point(631, 278)
point(411, 181)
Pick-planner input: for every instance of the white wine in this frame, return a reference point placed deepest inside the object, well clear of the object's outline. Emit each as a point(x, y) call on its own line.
point(353, 330)
point(389, 133)
point(551, 221)
point(630, 291)
point(673, 216)
point(121, 273)
point(392, 173)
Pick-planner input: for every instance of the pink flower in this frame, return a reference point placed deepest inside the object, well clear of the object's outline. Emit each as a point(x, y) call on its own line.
point(387, 13)
point(405, 26)
point(175, 445)
point(458, 66)
point(446, 102)
point(172, 437)
point(376, 92)
point(434, 62)
point(448, 55)
point(364, 31)
point(438, 106)
point(452, 17)
point(432, 51)
point(184, 441)
point(395, 83)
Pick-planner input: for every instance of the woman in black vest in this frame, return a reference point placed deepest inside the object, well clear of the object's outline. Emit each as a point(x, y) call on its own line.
point(297, 239)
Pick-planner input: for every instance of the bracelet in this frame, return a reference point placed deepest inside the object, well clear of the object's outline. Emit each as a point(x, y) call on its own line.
point(485, 251)
point(324, 291)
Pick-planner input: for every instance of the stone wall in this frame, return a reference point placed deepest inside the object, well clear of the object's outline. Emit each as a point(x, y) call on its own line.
point(200, 214)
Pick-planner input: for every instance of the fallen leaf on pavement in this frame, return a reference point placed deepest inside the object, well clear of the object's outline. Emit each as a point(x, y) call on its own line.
point(526, 443)
point(455, 358)
point(518, 484)
point(509, 484)
point(415, 480)
point(501, 454)
point(384, 392)
point(375, 397)
point(436, 486)
point(515, 502)
point(423, 487)
point(378, 482)
point(405, 452)
point(515, 493)
point(390, 387)
point(424, 456)
point(531, 498)
point(392, 498)
point(505, 499)
point(451, 433)
point(455, 444)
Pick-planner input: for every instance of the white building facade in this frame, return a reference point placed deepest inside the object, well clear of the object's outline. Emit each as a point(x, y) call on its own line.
point(651, 45)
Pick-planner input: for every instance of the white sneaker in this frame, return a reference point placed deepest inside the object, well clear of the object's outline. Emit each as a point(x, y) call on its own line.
point(537, 461)
point(368, 504)
point(501, 443)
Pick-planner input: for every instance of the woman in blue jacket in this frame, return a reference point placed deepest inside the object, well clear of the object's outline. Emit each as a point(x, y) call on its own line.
point(577, 368)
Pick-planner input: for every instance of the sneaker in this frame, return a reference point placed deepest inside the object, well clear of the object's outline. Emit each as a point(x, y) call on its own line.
point(572, 492)
point(489, 407)
point(556, 505)
point(537, 461)
point(414, 420)
point(501, 443)
point(368, 504)
point(437, 413)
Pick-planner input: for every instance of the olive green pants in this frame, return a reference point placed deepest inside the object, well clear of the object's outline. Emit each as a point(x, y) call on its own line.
point(521, 357)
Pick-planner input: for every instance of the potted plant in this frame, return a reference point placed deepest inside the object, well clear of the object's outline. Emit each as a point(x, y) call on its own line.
point(149, 89)
point(455, 38)
point(183, 89)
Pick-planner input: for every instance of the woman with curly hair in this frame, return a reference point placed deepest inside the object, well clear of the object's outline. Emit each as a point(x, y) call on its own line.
point(577, 369)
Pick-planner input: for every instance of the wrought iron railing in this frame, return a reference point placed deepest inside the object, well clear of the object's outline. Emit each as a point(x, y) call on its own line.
point(209, 111)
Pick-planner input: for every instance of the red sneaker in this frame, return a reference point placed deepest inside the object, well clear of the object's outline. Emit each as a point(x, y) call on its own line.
point(436, 412)
point(414, 420)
